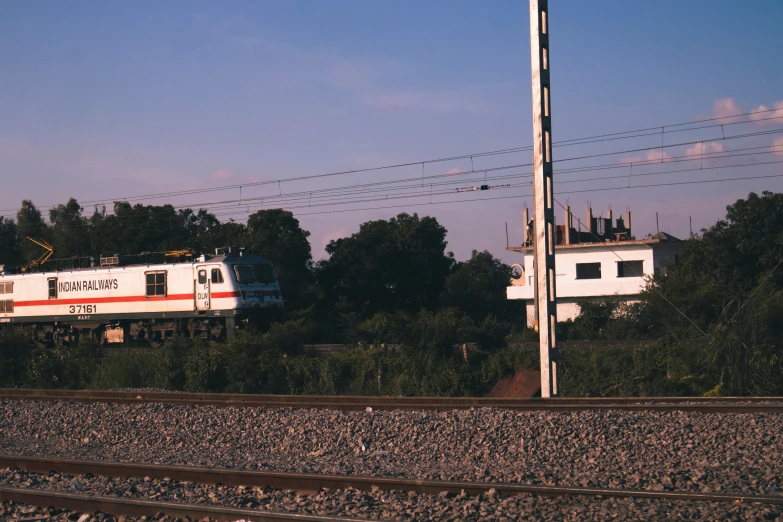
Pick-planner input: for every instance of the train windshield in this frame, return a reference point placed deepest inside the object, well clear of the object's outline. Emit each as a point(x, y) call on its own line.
point(260, 273)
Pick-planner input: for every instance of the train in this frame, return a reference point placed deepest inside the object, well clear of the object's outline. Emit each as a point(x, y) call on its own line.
point(119, 300)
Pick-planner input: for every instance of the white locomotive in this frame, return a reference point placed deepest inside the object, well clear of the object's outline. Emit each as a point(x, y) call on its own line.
point(202, 296)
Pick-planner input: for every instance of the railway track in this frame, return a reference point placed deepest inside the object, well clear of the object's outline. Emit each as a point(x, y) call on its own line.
point(696, 404)
point(128, 507)
point(310, 483)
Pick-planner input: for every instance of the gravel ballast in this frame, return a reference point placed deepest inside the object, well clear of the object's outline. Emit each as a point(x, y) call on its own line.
point(631, 450)
point(393, 505)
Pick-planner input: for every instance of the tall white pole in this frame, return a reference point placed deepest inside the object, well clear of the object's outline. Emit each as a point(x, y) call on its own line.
point(543, 209)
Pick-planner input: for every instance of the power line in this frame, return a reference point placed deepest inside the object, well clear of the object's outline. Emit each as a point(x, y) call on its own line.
point(368, 187)
point(356, 189)
point(517, 196)
point(572, 142)
point(292, 205)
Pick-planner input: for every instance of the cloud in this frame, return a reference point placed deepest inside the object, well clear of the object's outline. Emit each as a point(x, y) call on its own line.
point(729, 110)
point(437, 101)
point(778, 144)
point(704, 148)
point(652, 156)
point(454, 172)
point(762, 117)
point(222, 176)
point(725, 108)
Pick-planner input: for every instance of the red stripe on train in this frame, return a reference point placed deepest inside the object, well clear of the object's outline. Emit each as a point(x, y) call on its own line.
point(122, 299)
point(95, 300)
point(224, 295)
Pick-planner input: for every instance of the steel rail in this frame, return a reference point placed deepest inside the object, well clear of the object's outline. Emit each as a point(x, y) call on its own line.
point(311, 482)
point(695, 404)
point(119, 506)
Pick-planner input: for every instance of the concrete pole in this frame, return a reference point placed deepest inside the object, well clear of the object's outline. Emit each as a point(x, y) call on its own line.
point(628, 222)
point(567, 238)
point(610, 226)
point(544, 211)
point(525, 220)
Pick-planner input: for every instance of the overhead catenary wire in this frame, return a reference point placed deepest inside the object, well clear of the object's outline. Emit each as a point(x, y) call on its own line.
point(291, 205)
point(571, 142)
point(717, 155)
point(517, 196)
point(398, 184)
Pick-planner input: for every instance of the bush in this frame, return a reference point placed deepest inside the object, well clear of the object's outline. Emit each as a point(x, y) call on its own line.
point(126, 368)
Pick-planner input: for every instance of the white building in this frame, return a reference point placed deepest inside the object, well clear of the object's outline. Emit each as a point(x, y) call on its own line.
point(595, 271)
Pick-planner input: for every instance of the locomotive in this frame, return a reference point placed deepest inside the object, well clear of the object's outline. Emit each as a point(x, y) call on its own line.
point(206, 296)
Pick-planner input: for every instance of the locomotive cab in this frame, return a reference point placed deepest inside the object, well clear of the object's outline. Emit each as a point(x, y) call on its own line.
point(257, 281)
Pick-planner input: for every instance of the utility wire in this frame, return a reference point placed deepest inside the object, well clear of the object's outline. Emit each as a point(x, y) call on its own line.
point(717, 155)
point(576, 141)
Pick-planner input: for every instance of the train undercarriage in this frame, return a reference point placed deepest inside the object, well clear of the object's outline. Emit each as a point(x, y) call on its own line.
point(152, 332)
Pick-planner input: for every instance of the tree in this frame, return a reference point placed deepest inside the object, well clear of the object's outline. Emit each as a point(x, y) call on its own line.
point(478, 287)
point(724, 265)
point(9, 249)
point(399, 264)
point(69, 230)
point(30, 223)
point(139, 228)
point(276, 235)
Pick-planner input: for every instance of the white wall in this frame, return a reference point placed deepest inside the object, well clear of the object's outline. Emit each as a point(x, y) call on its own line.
point(567, 285)
point(570, 290)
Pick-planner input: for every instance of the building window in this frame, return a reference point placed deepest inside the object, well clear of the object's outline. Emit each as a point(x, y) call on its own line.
point(156, 284)
point(630, 269)
point(52, 288)
point(7, 287)
point(6, 307)
point(202, 277)
point(588, 270)
point(217, 275)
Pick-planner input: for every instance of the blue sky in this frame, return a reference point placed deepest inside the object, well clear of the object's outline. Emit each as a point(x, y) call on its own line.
point(105, 99)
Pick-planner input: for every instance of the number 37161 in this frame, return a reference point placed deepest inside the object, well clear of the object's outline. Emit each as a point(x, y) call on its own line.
point(83, 309)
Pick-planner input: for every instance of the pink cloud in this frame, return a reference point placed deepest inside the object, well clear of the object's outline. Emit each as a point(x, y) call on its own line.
point(704, 148)
point(222, 176)
point(453, 172)
point(762, 117)
point(725, 108)
point(778, 144)
point(652, 156)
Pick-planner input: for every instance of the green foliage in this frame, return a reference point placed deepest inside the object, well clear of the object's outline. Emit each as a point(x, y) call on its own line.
point(9, 247)
point(15, 355)
point(258, 363)
point(29, 223)
point(478, 288)
point(202, 372)
point(126, 368)
point(276, 235)
point(69, 230)
point(394, 265)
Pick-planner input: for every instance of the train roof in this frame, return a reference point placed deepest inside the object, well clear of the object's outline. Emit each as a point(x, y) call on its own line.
point(223, 256)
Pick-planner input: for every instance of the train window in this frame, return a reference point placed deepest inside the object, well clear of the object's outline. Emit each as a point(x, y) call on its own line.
point(52, 288)
point(156, 284)
point(7, 287)
point(202, 277)
point(7, 307)
point(217, 275)
point(260, 273)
